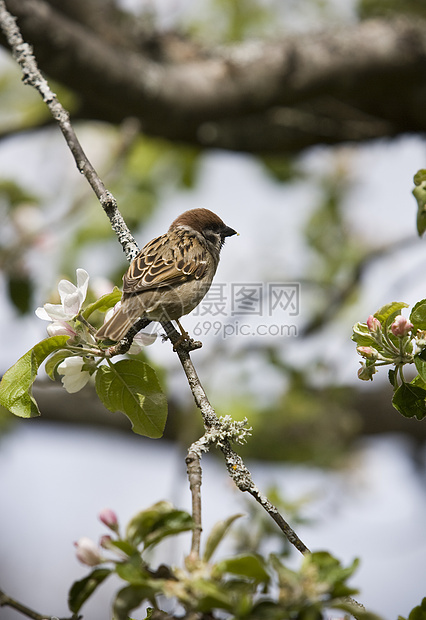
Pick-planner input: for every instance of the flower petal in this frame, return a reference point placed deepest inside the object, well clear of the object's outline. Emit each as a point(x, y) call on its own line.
point(74, 378)
point(55, 312)
point(65, 287)
point(42, 314)
point(82, 283)
point(71, 304)
point(140, 341)
point(88, 552)
point(71, 365)
point(75, 383)
point(60, 328)
point(72, 296)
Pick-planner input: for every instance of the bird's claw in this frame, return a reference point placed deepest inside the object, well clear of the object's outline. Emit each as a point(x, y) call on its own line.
point(188, 344)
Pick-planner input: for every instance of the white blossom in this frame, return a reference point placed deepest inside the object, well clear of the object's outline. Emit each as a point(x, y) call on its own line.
point(72, 298)
point(140, 341)
point(74, 377)
point(88, 552)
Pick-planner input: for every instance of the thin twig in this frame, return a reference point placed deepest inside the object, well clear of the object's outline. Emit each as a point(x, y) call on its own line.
point(7, 601)
point(194, 470)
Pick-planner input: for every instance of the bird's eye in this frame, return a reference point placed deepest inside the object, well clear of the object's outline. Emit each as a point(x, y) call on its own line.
point(210, 235)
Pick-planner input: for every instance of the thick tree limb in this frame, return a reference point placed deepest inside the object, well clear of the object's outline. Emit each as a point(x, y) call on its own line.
point(353, 83)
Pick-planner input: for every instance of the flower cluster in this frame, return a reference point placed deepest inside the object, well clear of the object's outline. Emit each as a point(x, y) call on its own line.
point(242, 585)
point(67, 319)
point(391, 342)
point(389, 338)
point(91, 554)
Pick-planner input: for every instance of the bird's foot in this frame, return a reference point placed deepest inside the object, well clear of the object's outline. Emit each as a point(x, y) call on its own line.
point(188, 344)
point(185, 341)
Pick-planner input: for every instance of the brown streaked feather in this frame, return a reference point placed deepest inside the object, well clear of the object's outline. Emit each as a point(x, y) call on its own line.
point(160, 263)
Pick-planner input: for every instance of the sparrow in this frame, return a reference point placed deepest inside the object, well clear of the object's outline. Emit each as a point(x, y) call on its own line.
point(171, 274)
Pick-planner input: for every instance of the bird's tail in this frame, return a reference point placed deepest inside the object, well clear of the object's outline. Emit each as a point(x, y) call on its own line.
point(118, 326)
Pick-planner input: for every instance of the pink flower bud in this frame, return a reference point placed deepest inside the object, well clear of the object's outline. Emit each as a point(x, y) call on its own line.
point(88, 552)
point(105, 542)
point(368, 352)
point(401, 326)
point(373, 324)
point(109, 518)
point(61, 328)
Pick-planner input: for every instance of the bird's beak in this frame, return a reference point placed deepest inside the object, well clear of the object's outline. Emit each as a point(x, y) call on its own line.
point(228, 232)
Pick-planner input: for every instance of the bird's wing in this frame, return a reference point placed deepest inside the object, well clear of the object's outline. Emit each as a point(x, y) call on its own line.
point(163, 263)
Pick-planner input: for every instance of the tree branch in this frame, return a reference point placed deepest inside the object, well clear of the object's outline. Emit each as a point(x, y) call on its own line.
point(194, 476)
point(320, 87)
point(7, 601)
point(235, 465)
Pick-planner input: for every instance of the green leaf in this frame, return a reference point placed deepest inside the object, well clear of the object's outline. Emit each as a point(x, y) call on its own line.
point(419, 193)
point(269, 610)
point(124, 546)
point(211, 596)
point(419, 382)
point(104, 303)
point(362, 336)
point(81, 590)
point(418, 315)
point(133, 571)
point(218, 532)
point(389, 311)
point(419, 177)
point(246, 565)
point(132, 387)
point(15, 387)
point(20, 292)
point(329, 567)
point(153, 524)
point(410, 401)
point(392, 376)
point(14, 194)
point(331, 571)
point(54, 361)
point(419, 612)
point(421, 366)
point(131, 597)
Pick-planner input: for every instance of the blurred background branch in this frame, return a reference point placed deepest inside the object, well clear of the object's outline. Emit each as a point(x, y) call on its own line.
point(279, 96)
